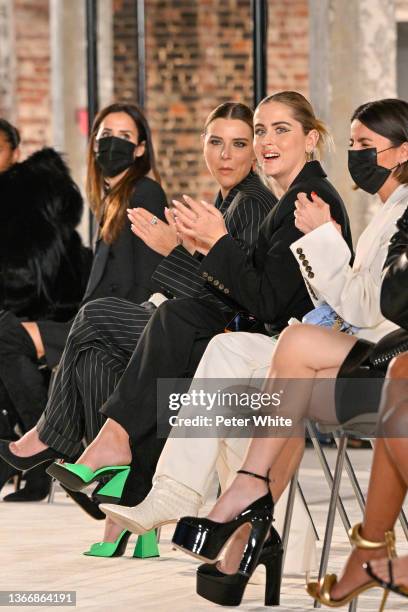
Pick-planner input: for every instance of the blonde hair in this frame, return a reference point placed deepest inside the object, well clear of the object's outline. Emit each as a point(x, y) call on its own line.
point(303, 112)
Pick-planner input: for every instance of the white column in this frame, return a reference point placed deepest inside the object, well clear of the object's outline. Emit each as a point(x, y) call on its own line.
point(352, 60)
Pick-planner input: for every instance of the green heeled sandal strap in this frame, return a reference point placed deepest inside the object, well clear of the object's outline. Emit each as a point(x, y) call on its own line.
point(86, 474)
point(109, 549)
point(76, 476)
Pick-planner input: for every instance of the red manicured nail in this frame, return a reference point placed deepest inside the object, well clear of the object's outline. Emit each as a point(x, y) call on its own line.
point(314, 193)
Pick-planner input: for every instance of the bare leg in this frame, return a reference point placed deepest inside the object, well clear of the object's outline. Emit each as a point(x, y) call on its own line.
point(110, 447)
point(386, 486)
point(292, 359)
point(112, 531)
point(386, 492)
point(394, 421)
point(285, 466)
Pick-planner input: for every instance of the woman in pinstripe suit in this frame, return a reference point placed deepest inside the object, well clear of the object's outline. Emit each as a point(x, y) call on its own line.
point(106, 331)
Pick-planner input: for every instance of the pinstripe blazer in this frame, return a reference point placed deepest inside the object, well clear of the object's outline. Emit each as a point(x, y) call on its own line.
point(244, 210)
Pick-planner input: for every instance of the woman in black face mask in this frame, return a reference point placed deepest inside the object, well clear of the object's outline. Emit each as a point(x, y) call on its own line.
point(120, 155)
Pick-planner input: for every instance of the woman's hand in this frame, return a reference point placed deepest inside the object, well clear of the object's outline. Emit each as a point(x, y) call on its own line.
point(311, 214)
point(199, 221)
point(159, 236)
point(188, 243)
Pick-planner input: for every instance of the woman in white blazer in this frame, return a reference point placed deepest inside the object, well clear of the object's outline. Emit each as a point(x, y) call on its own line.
point(378, 163)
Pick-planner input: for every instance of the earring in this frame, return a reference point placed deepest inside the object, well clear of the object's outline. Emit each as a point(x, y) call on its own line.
point(309, 156)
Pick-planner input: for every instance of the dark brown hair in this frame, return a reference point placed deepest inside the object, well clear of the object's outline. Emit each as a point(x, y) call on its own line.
point(231, 110)
point(303, 112)
point(11, 133)
point(389, 118)
point(110, 208)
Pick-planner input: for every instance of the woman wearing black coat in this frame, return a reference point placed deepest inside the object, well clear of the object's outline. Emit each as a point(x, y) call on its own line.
point(44, 269)
point(119, 158)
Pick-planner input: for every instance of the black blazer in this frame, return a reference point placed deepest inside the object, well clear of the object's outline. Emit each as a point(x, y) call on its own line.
point(122, 269)
point(268, 282)
point(394, 288)
point(244, 209)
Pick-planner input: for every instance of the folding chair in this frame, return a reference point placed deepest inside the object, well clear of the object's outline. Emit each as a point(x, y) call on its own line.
point(334, 481)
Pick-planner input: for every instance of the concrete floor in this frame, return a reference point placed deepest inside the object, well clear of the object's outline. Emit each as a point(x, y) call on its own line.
point(41, 544)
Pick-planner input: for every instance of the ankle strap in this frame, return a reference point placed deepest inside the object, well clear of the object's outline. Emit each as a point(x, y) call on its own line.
point(359, 542)
point(264, 478)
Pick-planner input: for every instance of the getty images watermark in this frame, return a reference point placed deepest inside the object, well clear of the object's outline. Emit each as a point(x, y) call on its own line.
point(219, 400)
point(222, 407)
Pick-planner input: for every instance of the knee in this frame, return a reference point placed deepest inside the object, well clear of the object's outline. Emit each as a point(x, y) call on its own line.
point(217, 343)
point(289, 344)
point(394, 420)
point(398, 367)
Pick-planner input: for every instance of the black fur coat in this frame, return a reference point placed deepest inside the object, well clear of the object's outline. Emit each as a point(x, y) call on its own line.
point(43, 264)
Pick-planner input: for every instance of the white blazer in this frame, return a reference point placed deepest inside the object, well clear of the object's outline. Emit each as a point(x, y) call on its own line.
point(353, 292)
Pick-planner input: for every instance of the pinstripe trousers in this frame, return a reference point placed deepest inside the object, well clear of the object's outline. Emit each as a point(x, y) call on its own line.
point(99, 346)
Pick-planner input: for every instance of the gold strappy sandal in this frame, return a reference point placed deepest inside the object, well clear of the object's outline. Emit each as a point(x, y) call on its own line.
point(321, 591)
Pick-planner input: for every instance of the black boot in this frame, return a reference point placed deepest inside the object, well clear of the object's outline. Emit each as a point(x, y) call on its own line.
point(36, 488)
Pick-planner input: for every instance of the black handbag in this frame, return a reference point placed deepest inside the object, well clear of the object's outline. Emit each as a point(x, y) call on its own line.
point(389, 347)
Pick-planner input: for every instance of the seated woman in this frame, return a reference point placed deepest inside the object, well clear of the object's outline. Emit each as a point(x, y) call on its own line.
point(267, 283)
point(353, 292)
point(120, 156)
point(44, 269)
point(374, 538)
point(105, 332)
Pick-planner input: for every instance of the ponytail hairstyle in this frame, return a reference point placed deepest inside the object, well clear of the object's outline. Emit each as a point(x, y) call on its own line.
point(303, 112)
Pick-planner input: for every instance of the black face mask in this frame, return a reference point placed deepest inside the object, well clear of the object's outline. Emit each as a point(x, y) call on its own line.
point(365, 171)
point(114, 155)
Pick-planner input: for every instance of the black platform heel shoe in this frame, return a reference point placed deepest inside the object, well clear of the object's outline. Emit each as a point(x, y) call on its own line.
point(27, 463)
point(204, 539)
point(228, 589)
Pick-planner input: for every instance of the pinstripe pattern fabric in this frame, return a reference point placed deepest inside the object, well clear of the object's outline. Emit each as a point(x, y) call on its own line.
point(244, 209)
point(109, 328)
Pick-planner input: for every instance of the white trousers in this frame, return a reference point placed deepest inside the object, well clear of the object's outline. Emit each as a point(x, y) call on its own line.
point(193, 461)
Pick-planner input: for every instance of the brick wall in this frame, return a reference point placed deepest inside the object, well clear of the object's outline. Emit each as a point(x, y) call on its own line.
point(32, 47)
point(288, 46)
point(125, 50)
point(199, 54)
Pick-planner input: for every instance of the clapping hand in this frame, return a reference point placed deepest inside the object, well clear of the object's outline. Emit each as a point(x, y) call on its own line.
point(159, 236)
point(199, 221)
point(311, 214)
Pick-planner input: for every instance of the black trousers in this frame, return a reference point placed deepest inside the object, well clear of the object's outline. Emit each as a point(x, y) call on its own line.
point(23, 386)
point(170, 346)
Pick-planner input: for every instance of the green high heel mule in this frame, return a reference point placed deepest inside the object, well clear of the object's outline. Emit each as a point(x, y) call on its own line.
point(146, 546)
point(76, 476)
